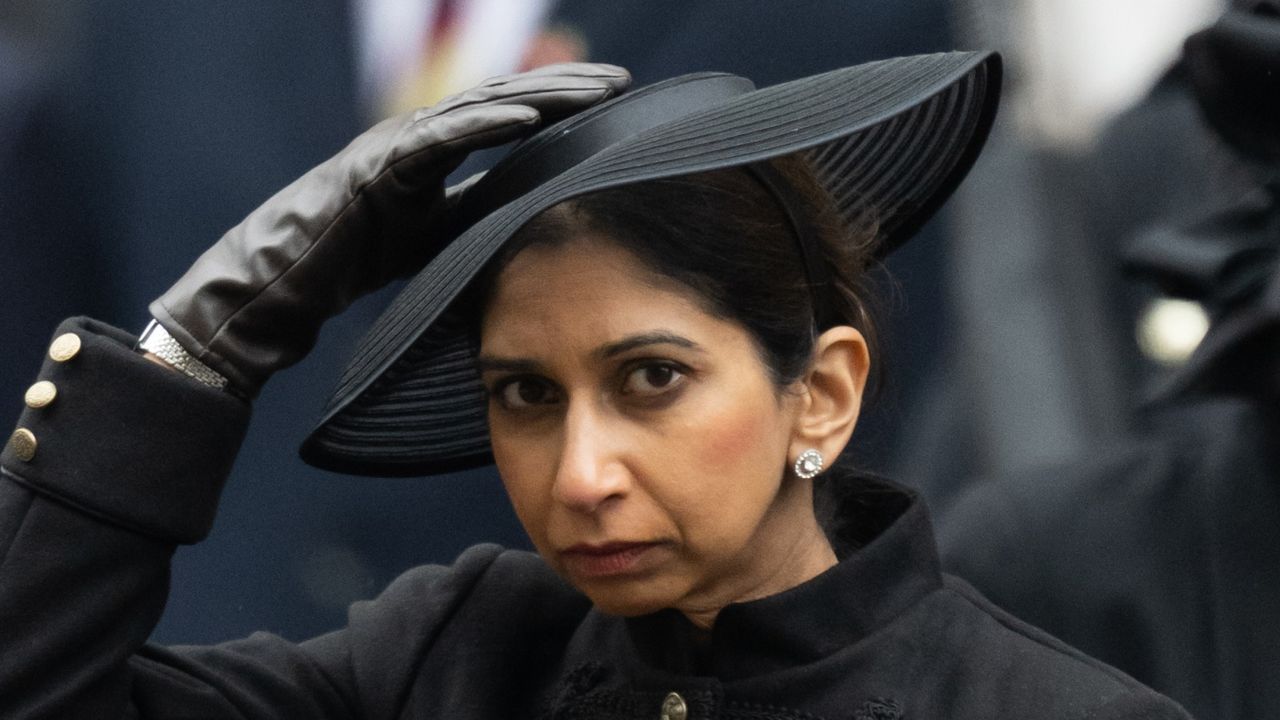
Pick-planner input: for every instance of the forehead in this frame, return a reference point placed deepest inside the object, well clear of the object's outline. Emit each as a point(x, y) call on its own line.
point(585, 287)
point(581, 255)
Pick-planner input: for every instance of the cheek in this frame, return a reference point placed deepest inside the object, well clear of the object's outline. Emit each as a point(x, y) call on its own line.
point(747, 431)
point(733, 452)
point(733, 435)
point(522, 471)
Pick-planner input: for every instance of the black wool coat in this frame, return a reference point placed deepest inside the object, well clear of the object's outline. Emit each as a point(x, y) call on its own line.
point(127, 463)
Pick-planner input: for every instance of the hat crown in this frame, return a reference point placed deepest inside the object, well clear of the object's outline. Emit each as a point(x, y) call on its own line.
point(560, 146)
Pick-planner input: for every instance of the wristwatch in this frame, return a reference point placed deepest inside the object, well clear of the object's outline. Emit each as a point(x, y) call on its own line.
point(156, 340)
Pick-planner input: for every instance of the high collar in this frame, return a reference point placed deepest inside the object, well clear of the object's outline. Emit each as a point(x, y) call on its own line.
point(895, 563)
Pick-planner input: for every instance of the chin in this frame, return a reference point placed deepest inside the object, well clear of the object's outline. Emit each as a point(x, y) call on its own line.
point(626, 599)
point(625, 607)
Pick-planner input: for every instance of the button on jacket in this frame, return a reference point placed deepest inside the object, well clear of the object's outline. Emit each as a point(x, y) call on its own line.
point(88, 524)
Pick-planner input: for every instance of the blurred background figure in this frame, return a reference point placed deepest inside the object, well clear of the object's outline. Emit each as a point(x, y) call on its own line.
point(412, 53)
point(1156, 547)
point(1043, 359)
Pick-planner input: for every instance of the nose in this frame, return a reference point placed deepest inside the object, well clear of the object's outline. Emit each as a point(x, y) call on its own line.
point(589, 473)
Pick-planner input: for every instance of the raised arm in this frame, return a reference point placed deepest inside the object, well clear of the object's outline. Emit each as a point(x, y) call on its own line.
point(117, 460)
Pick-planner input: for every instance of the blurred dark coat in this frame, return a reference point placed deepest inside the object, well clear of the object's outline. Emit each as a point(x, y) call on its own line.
point(1159, 554)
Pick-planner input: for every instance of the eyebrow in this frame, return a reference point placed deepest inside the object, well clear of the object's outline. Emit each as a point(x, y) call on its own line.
point(490, 363)
point(657, 337)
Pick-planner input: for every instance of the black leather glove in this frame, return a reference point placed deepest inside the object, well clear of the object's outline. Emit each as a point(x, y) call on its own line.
point(254, 302)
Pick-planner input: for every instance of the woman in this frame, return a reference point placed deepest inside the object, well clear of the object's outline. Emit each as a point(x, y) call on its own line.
point(652, 319)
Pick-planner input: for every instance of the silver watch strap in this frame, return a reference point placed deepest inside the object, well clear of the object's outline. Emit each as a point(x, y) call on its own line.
point(156, 340)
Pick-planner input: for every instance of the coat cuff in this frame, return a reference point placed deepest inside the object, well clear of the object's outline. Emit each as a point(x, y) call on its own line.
point(120, 437)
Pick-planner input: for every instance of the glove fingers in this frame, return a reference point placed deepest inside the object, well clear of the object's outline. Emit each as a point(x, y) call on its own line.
point(437, 139)
point(581, 69)
point(551, 93)
point(437, 145)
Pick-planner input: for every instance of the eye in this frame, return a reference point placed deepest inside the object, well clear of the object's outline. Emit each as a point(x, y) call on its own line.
point(652, 378)
point(525, 392)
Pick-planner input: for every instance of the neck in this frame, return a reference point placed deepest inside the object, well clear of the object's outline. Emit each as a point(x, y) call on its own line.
point(806, 555)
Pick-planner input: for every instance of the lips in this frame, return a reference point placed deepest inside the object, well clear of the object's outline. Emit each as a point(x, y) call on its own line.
point(612, 559)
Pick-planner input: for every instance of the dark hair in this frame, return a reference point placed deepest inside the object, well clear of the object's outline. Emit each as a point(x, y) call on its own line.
point(726, 237)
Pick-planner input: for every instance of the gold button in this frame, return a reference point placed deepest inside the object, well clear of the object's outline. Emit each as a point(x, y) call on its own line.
point(23, 444)
point(41, 394)
point(64, 347)
point(673, 708)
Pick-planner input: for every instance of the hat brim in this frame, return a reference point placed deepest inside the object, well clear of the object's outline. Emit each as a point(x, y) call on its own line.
point(894, 136)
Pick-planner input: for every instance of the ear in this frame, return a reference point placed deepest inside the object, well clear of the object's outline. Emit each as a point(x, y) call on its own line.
point(833, 391)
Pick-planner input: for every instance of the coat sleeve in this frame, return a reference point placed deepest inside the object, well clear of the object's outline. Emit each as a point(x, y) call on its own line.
point(97, 489)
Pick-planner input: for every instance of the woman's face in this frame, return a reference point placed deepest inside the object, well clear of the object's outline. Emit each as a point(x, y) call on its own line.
point(641, 439)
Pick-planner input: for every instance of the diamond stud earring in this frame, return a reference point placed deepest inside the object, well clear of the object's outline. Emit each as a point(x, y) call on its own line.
point(809, 464)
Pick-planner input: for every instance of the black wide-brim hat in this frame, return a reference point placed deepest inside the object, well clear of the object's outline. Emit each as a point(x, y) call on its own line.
point(894, 137)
